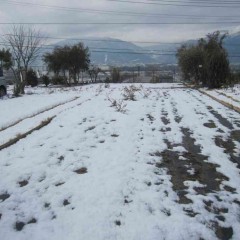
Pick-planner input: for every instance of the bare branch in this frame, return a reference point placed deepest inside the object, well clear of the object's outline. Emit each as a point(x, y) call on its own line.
point(25, 46)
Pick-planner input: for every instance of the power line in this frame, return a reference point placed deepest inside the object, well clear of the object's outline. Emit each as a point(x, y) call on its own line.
point(143, 51)
point(175, 4)
point(112, 40)
point(119, 23)
point(87, 10)
point(126, 51)
point(211, 2)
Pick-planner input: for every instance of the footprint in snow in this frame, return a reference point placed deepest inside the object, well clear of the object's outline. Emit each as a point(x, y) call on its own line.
point(66, 202)
point(4, 196)
point(20, 225)
point(118, 222)
point(23, 183)
point(82, 170)
point(59, 184)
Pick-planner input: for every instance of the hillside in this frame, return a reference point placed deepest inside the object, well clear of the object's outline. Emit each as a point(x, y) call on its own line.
point(113, 51)
point(232, 45)
point(117, 52)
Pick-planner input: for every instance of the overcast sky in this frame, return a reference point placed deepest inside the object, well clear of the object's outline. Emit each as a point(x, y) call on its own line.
point(12, 11)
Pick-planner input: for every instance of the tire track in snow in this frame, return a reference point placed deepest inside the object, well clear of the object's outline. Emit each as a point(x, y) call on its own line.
point(37, 114)
point(24, 135)
point(21, 135)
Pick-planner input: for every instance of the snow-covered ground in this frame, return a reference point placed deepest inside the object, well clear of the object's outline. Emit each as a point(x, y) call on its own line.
point(228, 95)
point(36, 100)
point(167, 168)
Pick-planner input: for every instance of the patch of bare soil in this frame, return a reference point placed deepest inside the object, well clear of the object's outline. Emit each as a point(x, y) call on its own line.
point(177, 118)
point(82, 170)
point(59, 184)
point(66, 202)
point(150, 117)
point(210, 124)
point(60, 159)
point(201, 170)
point(20, 225)
point(225, 122)
point(235, 135)
point(4, 196)
point(118, 222)
point(90, 129)
point(164, 118)
point(165, 130)
point(229, 146)
point(23, 183)
point(115, 135)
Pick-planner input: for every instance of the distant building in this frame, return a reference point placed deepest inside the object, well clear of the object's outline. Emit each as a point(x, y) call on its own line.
point(166, 77)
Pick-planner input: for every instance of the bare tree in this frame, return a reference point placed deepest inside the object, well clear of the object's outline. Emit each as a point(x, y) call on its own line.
point(25, 45)
point(93, 72)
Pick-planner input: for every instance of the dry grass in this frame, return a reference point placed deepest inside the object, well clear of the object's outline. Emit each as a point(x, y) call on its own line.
point(119, 105)
point(18, 137)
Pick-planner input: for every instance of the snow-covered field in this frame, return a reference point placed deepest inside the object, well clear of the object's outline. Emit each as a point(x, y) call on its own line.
point(166, 167)
point(228, 95)
point(36, 100)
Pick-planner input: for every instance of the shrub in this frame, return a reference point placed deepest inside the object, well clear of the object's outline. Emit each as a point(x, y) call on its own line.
point(129, 93)
point(119, 105)
point(99, 90)
point(46, 80)
point(107, 80)
point(145, 93)
point(57, 80)
point(32, 79)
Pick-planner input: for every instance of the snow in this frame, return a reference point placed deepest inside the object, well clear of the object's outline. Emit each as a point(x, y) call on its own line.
point(228, 95)
point(35, 101)
point(122, 194)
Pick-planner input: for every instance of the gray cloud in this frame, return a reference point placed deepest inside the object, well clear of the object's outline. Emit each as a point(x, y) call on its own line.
point(166, 33)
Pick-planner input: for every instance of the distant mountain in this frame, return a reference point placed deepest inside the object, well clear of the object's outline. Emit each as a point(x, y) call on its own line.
point(164, 53)
point(113, 51)
point(117, 52)
point(232, 44)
